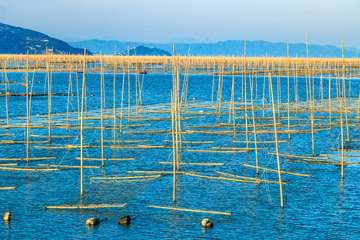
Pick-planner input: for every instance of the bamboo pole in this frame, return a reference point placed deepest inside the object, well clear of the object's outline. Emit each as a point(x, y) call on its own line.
point(222, 178)
point(68, 99)
point(107, 159)
point(87, 206)
point(255, 179)
point(122, 101)
point(27, 107)
point(114, 96)
point(173, 147)
point(127, 177)
point(102, 110)
point(245, 100)
point(254, 127)
point(7, 188)
point(276, 143)
point(342, 140)
point(65, 166)
point(81, 129)
point(190, 210)
point(344, 94)
point(273, 170)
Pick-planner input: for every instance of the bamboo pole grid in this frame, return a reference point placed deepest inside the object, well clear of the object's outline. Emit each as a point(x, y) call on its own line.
point(253, 67)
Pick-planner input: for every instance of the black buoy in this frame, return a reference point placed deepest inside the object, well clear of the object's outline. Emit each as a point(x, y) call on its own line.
point(124, 220)
point(92, 222)
point(205, 223)
point(7, 216)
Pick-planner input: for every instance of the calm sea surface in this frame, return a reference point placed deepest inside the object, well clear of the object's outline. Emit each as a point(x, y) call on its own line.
point(317, 207)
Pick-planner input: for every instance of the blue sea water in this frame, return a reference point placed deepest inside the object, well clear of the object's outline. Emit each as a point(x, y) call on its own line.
point(318, 207)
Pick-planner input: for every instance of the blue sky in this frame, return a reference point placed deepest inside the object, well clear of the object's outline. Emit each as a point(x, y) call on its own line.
point(326, 21)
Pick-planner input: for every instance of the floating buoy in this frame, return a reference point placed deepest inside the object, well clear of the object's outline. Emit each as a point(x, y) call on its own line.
point(92, 222)
point(92, 95)
point(73, 94)
point(193, 99)
point(201, 111)
point(124, 220)
point(239, 98)
point(7, 216)
point(205, 223)
point(266, 99)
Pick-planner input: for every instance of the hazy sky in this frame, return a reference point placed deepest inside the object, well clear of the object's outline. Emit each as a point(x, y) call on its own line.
point(326, 21)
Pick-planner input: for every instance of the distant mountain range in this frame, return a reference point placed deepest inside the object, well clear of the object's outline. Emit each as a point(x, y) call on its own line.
point(16, 40)
point(224, 48)
point(144, 51)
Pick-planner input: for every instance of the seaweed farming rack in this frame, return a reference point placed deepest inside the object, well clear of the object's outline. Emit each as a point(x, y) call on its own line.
point(258, 120)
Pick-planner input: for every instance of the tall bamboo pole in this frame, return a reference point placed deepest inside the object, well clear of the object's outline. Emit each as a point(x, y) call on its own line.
point(276, 142)
point(254, 127)
point(122, 100)
point(27, 108)
point(173, 147)
point(310, 95)
point(342, 140)
point(288, 88)
point(49, 93)
point(245, 100)
point(129, 89)
point(82, 129)
point(77, 92)
point(344, 94)
point(102, 109)
point(68, 99)
point(6, 95)
point(114, 96)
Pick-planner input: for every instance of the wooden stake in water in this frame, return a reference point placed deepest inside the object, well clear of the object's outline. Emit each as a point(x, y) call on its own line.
point(254, 127)
point(344, 94)
point(114, 102)
point(288, 89)
point(245, 100)
point(27, 108)
point(342, 140)
point(276, 142)
point(102, 110)
point(122, 100)
point(68, 100)
point(82, 129)
point(129, 89)
point(311, 102)
point(173, 147)
point(49, 93)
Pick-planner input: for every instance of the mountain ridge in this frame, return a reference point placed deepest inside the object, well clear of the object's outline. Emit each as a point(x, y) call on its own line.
point(259, 48)
point(144, 51)
point(17, 40)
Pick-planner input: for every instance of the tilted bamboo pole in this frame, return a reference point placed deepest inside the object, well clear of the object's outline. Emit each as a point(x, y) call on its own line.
point(276, 143)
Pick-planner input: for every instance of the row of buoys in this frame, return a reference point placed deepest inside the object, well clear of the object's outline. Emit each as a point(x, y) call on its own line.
point(124, 221)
